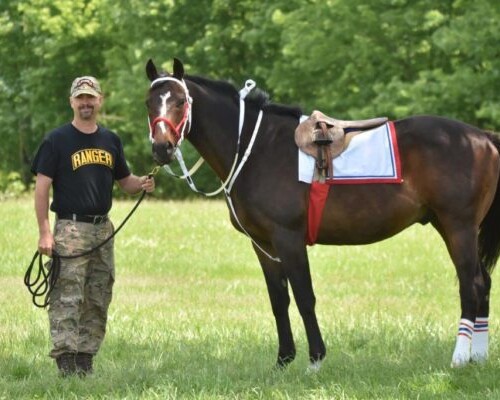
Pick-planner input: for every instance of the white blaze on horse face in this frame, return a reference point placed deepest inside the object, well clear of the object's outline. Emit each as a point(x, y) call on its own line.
point(163, 112)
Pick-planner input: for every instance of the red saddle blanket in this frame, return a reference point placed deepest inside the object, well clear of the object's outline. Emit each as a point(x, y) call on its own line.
point(357, 157)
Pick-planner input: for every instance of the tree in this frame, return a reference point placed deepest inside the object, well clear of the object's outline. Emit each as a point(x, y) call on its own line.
point(392, 57)
point(348, 58)
point(45, 46)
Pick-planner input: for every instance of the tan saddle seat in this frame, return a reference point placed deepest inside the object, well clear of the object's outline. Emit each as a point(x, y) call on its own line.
point(325, 138)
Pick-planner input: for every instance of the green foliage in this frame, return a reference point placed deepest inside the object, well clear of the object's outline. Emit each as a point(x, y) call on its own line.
point(349, 58)
point(11, 185)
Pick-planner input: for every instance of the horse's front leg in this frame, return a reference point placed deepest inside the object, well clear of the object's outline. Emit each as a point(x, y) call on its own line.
point(291, 249)
point(277, 287)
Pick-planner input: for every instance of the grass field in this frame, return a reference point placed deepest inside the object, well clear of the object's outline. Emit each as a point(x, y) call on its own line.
point(191, 319)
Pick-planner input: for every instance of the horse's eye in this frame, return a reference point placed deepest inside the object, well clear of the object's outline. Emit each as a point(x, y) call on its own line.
point(180, 103)
point(150, 102)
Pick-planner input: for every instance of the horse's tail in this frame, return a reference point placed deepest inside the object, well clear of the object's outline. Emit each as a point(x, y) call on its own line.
point(489, 233)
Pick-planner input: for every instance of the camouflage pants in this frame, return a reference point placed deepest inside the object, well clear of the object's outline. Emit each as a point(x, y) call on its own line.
point(78, 307)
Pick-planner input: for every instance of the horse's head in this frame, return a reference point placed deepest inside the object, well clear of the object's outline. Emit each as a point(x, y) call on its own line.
point(169, 109)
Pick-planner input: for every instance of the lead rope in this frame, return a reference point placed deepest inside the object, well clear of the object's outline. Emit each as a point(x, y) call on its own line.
point(46, 276)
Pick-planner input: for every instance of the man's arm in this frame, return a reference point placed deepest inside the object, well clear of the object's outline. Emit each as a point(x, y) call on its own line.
point(42, 189)
point(133, 184)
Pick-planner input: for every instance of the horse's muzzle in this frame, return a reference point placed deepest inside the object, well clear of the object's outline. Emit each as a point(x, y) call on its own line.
point(163, 153)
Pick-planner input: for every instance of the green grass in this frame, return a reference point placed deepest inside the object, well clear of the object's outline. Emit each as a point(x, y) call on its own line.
point(191, 319)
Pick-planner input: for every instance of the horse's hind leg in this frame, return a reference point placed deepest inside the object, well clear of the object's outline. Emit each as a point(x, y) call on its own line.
point(479, 345)
point(277, 287)
point(461, 240)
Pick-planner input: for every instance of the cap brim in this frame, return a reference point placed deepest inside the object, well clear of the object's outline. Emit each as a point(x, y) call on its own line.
point(91, 92)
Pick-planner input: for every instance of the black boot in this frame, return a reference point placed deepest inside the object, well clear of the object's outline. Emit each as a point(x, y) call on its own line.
point(84, 364)
point(66, 364)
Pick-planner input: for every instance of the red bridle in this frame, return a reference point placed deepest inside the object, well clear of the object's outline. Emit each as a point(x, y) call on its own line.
point(177, 130)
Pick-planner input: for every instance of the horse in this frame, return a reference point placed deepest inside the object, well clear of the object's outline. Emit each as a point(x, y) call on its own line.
point(450, 178)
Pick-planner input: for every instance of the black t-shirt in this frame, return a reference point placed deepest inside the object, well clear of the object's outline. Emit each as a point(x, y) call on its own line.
point(83, 168)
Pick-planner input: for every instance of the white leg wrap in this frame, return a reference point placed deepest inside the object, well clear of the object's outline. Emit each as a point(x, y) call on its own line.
point(479, 346)
point(461, 355)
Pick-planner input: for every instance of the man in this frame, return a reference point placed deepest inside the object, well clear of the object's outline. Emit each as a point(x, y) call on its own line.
point(80, 160)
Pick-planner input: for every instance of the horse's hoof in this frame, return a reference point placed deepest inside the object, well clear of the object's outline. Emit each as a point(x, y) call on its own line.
point(459, 362)
point(279, 367)
point(477, 358)
point(282, 362)
point(314, 367)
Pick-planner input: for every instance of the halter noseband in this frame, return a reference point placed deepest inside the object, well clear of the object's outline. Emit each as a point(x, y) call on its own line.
point(186, 118)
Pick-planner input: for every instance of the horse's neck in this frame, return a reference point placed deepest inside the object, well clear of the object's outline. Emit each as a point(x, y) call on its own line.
point(214, 132)
point(215, 137)
point(215, 123)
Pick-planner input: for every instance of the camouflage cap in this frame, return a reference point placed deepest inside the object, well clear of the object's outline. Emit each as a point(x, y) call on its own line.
point(85, 85)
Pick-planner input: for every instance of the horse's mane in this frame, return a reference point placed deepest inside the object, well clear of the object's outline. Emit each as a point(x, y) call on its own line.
point(257, 98)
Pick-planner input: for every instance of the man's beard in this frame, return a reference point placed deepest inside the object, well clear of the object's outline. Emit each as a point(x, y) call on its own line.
point(86, 112)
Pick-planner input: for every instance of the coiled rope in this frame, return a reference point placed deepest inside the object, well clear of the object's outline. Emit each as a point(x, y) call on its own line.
point(47, 274)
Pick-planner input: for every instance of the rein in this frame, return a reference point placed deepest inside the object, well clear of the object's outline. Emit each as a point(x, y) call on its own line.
point(236, 168)
point(233, 173)
point(46, 277)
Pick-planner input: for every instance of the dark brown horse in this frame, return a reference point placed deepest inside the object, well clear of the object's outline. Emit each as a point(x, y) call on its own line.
point(450, 179)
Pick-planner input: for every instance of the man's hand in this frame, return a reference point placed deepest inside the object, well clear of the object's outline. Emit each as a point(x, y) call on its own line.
point(46, 244)
point(148, 183)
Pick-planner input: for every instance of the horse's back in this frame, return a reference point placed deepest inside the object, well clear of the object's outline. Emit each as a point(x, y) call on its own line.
point(434, 132)
point(436, 150)
point(450, 170)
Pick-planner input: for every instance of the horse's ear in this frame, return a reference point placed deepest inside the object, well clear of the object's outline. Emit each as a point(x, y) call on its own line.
point(151, 71)
point(178, 68)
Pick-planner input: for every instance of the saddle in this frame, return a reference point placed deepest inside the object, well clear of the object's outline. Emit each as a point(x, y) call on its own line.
point(325, 138)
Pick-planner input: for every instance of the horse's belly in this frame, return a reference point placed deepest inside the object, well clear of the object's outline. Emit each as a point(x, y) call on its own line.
point(368, 213)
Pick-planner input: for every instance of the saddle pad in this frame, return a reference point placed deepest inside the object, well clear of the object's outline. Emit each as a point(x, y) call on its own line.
point(371, 157)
